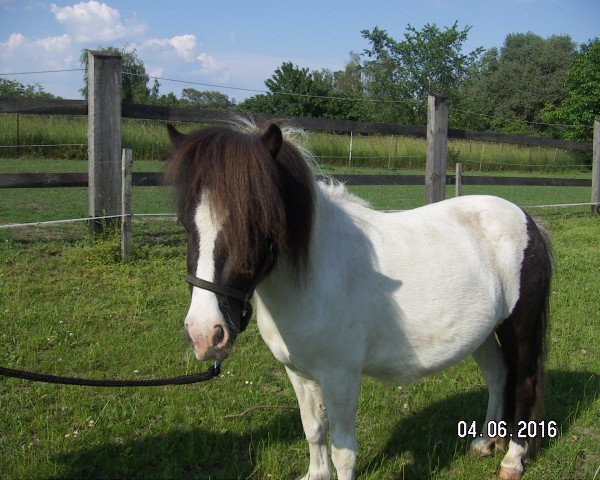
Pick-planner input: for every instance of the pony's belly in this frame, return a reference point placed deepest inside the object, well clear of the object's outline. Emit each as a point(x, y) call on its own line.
point(411, 339)
point(402, 363)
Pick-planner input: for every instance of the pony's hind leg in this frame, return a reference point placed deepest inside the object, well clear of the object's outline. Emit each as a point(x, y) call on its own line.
point(522, 337)
point(314, 422)
point(524, 391)
point(490, 360)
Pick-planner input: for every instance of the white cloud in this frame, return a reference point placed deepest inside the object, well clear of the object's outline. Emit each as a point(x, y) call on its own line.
point(209, 64)
point(184, 45)
point(22, 53)
point(14, 41)
point(55, 44)
point(155, 71)
point(94, 22)
point(166, 54)
point(91, 23)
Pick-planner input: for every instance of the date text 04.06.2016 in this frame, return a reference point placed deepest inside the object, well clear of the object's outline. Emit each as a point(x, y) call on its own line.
point(500, 429)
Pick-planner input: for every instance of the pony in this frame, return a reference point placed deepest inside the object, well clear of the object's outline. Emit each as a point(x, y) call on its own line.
point(342, 290)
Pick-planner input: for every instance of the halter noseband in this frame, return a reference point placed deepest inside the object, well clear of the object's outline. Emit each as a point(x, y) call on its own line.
point(240, 295)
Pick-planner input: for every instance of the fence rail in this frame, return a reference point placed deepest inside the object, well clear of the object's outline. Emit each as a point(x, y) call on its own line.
point(41, 106)
point(181, 114)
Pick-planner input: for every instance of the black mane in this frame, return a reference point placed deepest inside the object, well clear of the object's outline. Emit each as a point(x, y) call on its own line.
point(260, 186)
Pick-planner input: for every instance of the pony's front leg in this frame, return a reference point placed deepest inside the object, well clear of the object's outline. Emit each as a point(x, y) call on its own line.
point(314, 422)
point(341, 397)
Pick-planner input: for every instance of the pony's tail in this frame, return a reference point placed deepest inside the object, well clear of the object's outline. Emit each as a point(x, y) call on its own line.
point(541, 330)
point(523, 335)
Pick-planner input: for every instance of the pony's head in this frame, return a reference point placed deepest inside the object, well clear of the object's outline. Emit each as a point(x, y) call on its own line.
point(245, 198)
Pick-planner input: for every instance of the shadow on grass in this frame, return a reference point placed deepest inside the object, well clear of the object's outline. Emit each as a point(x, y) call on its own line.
point(430, 435)
point(195, 453)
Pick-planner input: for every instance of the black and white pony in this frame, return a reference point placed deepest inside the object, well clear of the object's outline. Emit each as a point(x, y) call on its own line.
point(343, 290)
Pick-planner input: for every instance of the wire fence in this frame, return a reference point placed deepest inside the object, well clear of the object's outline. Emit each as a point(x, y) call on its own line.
point(43, 223)
point(85, 219)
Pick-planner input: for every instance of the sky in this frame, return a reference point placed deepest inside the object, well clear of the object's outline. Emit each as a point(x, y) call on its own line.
point(239, 44)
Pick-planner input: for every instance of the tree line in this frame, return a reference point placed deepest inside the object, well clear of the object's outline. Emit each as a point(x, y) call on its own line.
point(530, 85)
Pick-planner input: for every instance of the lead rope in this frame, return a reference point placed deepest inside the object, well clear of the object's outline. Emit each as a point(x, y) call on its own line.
point(213, 371)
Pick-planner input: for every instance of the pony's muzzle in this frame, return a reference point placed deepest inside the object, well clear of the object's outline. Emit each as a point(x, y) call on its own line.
point(211, 346)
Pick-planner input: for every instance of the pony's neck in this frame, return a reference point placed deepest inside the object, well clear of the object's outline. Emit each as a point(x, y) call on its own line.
point(336, 238)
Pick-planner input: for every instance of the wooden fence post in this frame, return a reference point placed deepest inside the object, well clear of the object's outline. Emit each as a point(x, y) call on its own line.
point(126, 168)
point(18, 137)
point(437, 148)
point(458, 184)
point(350, 150)
point(596, 168)
point(104, 137)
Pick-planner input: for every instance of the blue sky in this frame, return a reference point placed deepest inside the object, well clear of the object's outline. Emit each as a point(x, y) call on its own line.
point(240, 43)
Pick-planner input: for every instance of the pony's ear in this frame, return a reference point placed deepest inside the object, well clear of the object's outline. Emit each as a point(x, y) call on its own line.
point(174, 135)
point(273, 139)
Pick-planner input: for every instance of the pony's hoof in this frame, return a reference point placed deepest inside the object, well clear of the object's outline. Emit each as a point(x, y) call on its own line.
point(509, 474)
point(485, 446)
point(480, 451)
point(481, 447)
point(501, 444)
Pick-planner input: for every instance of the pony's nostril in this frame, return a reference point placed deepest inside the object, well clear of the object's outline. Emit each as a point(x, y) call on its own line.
point(219, 335)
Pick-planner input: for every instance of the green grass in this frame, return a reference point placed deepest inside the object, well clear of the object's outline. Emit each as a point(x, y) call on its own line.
point(68, 306)
point(392, 152)
point(149, 141)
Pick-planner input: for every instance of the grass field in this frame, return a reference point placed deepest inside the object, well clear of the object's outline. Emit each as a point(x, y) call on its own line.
point(149, 141)
point(68, 306)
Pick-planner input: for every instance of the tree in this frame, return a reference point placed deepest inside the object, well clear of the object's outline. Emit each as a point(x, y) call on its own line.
point(402, 73)
point(351, 80)
point(206, 99)
point(470, 108)
point(293, 91)
point(12, 88)
point(134, 81)
point(154, 91)
point(392, 85)
point(582, 102)
point(514, 84)
point(297, 91)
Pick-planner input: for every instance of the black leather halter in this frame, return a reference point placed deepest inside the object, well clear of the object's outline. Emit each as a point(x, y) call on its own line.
point(240, 295)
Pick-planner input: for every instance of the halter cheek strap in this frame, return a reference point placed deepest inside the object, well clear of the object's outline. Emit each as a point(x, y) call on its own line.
point(229, 292)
